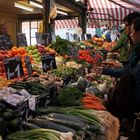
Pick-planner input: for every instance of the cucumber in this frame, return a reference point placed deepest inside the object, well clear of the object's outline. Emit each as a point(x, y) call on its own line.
point(66, 120)
point(96, 129)
point(14, 124)
point(8, 115)
point(44, 123)
point(2, 108)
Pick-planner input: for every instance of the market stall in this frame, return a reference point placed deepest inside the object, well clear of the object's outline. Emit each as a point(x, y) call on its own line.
point(53, 91)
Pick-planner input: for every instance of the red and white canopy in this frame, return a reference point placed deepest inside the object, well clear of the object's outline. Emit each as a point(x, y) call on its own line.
point(105, 13)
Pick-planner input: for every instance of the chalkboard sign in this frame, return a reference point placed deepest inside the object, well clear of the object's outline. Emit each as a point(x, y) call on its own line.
point(46, 38)
point(87, 36)
point(28, 65)
point(42, 38)
point(73, 51)
point(48, 62)
point(39, 38)
point(21, 39)
point(13, 67)
point(5, 42)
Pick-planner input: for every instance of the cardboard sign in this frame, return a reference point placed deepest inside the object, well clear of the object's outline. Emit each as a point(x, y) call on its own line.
point(28, 65)
point(13, 67)
point(48, 62)
point(5, 42)
point(21, 39)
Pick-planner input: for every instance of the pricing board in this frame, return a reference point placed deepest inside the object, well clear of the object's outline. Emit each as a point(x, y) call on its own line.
point(21, 39)
point(13, 67)
point(48, 62)
point(73, 51)
point(42, 38)
point(28, 65)
point(87, 36)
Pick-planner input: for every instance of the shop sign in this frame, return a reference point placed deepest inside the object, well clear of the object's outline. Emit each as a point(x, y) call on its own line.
point(48, 62)
point(13, 67)
point(21, 39)
point(28, 65)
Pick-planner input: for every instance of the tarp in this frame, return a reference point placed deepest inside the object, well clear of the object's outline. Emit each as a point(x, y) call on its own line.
point(105, 13)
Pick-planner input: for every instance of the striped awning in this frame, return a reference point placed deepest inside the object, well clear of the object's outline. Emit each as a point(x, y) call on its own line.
point(73, 23)
point(105, 13)
point(129, 4)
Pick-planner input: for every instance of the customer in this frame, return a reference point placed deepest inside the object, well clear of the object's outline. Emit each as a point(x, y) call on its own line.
point(126, 99)
point(133, 58)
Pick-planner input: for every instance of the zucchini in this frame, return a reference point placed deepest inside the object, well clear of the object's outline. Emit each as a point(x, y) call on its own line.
point(44, 123)
point(96, 129)
point(2, 108)
point(28, 126)
point(8, 115)
point(14, 124)
point(66, 121)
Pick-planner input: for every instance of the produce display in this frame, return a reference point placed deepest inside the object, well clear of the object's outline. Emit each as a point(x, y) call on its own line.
point(61, 46)
point(3, 55)
point(66, 103)
point(42, 134)
point(33, 51)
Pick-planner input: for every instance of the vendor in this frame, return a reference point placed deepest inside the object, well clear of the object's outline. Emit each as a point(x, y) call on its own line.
point(5, 39)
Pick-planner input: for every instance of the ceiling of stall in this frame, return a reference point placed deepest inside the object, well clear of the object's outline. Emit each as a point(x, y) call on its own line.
point(7, 6)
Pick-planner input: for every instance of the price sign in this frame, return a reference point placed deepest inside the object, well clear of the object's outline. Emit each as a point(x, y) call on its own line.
point(42, 38)
point(87, 36)
point(46, 38)
point(5, 42)
point(28, 65)
point(21, 39)
point(48, 62)
point(73, 51)
point(13, 67)
point(39, 38)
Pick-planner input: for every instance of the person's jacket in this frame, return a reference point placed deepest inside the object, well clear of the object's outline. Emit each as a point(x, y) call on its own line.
point(123, 45)
point(132, 62)
point(136, 74)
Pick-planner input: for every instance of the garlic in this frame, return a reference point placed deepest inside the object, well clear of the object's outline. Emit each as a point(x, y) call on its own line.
point(102, 87)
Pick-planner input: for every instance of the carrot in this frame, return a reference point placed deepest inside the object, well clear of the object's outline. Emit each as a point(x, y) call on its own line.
point(94, 106)
point(90, 95)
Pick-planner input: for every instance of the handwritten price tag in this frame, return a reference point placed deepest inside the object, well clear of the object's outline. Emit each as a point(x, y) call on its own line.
point(28, 65)
point(48, 62)
point(13, 67)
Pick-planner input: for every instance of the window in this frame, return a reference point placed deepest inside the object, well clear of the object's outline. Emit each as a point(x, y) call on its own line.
point(30, 28)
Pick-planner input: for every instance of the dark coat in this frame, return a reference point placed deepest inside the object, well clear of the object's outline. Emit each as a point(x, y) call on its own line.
point(132, 62)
